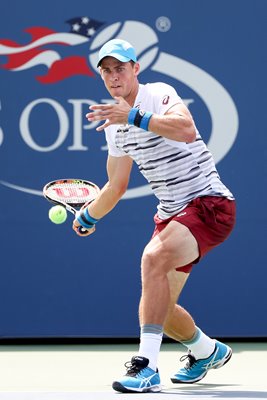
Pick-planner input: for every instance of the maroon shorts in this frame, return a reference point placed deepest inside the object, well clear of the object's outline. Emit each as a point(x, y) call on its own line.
point(209, 218)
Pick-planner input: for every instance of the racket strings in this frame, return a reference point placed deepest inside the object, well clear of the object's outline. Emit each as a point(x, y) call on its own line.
point(72, 193)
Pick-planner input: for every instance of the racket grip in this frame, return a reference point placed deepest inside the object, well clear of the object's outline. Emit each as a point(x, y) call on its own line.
point(82, 230)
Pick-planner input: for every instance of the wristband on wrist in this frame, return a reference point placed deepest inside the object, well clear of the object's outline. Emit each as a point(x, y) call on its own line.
point(145, 120)
point(85, 219)
point(132, 115)
point(139, 118)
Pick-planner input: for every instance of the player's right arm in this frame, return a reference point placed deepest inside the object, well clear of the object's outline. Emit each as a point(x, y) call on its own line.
point(118, 170)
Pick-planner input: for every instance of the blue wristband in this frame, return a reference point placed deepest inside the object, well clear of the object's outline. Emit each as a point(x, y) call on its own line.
point(139, 118)
point(132, 115)
point(145, 120)
point(88, 216)
point(83, 223)
point(85, 219)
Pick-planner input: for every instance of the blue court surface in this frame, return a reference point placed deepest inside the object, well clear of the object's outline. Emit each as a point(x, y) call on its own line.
point(86, 372)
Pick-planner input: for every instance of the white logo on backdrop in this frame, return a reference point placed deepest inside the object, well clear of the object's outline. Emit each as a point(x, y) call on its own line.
point(223, 113)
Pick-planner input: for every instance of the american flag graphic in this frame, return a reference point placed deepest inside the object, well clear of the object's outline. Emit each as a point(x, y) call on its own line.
point(41, 50)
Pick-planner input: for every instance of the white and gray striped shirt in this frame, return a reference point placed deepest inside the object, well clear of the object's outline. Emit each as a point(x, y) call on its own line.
point(177, 172)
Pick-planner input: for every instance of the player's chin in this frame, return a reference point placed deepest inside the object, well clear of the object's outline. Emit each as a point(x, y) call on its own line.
point(116, 92)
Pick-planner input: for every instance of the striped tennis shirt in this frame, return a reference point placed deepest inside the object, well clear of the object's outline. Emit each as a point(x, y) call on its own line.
point(177, 172)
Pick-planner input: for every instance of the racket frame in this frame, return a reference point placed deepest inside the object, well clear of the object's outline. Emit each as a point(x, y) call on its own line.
point(71, 207)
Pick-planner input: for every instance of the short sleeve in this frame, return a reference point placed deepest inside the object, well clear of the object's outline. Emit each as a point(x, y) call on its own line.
point(165, 97)
point(112, 148)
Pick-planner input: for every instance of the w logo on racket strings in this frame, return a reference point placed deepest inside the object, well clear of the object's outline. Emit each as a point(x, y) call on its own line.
point(40, 50)
point(71, 193)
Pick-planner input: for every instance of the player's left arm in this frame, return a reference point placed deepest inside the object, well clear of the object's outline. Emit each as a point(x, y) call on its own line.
point(176, 124)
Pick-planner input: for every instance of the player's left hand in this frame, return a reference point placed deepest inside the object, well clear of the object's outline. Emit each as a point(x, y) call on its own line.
point(113, 113)
point(76, 226)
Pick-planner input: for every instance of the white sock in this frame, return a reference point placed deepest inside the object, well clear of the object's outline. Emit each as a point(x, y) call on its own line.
point(201, 345)
point(149, 347)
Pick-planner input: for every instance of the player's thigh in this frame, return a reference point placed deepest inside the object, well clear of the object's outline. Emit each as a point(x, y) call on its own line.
point(174, 246)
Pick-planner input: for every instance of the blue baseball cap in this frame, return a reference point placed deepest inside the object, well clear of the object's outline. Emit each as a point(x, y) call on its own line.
point(119, 49)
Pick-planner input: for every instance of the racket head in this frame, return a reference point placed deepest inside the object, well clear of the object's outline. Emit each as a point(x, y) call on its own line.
point(70, 193)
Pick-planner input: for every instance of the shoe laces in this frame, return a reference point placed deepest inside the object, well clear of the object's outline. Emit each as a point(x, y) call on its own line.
point(191, 360)
point(134, 366)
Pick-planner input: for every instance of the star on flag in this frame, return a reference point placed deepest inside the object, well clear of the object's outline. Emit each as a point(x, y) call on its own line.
point(41, 50)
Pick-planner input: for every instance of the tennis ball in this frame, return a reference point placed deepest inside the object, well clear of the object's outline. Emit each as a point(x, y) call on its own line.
point(57, 214)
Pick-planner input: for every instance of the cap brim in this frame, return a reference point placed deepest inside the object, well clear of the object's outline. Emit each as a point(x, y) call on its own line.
point(115, 55)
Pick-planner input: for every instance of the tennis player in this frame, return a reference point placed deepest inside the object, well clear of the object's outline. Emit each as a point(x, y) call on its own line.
point(150, 124)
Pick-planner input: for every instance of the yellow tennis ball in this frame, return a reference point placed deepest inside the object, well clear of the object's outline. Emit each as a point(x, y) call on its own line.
point(57, 214)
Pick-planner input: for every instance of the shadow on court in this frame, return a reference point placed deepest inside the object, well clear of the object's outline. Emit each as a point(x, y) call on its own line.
point(212, 391)
point(207, 392)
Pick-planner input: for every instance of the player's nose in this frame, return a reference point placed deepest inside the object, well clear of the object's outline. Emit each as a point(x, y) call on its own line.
point(114, 77)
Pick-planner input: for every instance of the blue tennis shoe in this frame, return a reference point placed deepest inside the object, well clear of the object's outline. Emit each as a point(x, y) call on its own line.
point(139, 377)
point(195, 370)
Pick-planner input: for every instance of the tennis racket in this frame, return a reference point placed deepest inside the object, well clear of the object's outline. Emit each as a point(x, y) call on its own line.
point(71, 194)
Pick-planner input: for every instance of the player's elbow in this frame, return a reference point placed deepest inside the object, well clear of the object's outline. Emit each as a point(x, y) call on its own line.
point(187, 134)
point(191, 134)
point(185, 130)
point(121, 190)
point(189, 130)
point(118, 189)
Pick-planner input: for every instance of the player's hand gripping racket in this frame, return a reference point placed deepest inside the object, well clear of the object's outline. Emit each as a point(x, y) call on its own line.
point(71, 194)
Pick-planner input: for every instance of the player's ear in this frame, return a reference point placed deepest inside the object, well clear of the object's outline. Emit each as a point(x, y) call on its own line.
point(101, 73)
point(136, 68)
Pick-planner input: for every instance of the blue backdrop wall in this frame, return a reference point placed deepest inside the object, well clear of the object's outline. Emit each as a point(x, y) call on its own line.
point(54, 284)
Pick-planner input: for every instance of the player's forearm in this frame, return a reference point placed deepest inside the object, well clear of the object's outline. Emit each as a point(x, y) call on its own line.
point(106, 201)
point(176, 124)
point(173, 126)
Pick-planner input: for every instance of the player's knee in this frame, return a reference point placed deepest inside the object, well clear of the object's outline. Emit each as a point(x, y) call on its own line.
point(154, 261)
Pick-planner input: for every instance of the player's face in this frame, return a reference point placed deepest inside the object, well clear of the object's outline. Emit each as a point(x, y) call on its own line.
point(120, 78)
